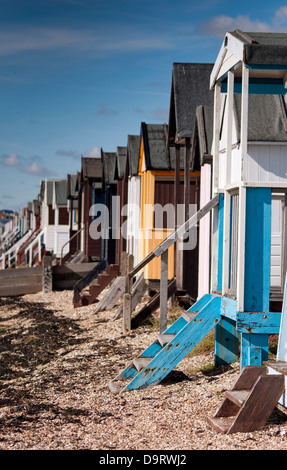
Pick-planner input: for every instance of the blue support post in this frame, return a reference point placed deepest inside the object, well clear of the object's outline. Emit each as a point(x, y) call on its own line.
point(226, 342)
point(254, 346)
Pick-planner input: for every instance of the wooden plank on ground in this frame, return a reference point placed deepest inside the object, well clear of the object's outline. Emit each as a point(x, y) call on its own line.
point(73, 268)
point(138, 290)
point(15, 281)
point(151, 306)
point(14, 291)
point(116, 290)
point(19, 273)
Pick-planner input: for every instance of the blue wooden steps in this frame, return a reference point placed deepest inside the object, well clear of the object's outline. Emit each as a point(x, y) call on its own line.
point(170, 347)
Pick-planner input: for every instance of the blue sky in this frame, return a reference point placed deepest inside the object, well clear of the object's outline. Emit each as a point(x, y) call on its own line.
point(78, 75)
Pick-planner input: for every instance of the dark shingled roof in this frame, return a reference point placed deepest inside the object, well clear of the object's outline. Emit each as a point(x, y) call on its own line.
point(35, 207)
point(121, 161)
point(42, 190)
point(154, 143)
point(72, 189)
point(266, 118)
point(189, 89)
point(133, 152)
point(263, 48)
point(157, 155)
point(49, 192)
point(61, 193)
point(109, 163)
point(92, 168)
point(202, 137)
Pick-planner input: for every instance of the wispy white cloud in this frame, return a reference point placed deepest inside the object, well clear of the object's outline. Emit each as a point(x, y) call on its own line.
point(218, 25)
point(280, 15)
point(94, 152)
point(32, 165)
point(68, 153)
point(161, 114)
point(27, 39)
point(11, 159)
point(104, 110)
point(34, 168)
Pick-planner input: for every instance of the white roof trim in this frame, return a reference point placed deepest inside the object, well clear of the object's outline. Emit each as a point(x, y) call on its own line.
point(236, 48)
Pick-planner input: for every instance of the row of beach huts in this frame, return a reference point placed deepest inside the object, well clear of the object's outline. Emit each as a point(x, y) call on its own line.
point(222, 160)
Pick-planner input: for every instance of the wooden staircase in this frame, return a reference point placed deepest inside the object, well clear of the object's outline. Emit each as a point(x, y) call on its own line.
point(251, 401)
point(170, 347)
point(97, 281)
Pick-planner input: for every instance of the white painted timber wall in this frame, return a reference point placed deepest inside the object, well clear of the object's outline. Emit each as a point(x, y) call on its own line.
point(204, 232)
point(133, 221)
point(276, 243)
point(267, 162)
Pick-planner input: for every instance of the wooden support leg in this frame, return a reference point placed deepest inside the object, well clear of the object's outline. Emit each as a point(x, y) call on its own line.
point(226, 342)
point(254, 349)
point(254, 345)
point(163, 291)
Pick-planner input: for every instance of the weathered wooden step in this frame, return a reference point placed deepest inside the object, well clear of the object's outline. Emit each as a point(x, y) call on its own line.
point(141, 362)
point(237, 397)
point(85, 298)
point(164, 339)
point(189, 316)
point(117, 386)
point(221, 425)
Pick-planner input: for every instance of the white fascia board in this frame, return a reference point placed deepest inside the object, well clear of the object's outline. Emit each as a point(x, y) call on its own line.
point(217, 65)
point(235, 47)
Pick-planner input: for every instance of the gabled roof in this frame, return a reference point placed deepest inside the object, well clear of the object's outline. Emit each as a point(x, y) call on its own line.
point(60, 193)
point(157, 155)
point(202, 137)
point(49, 191)
point(92, 168)
point(154, 138)
point(189, 89)
point(35, 207)
point(257, 50)
point(72, 187)
point(120, 162)
point(109, 163)
point(133, 152)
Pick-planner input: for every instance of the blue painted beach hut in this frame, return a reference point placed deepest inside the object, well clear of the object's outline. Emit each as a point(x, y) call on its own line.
point(248, 215)
point(250, 177)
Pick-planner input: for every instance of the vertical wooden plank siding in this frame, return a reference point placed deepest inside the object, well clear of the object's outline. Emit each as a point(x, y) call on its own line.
point(241, 249)
point(244, 120)
point(220, 242)
point(233, 244)
point(216, 132)
point(187, 178)
point(226, 244)
point(282, 343)
point(204, 233)
point(176, 182)
point(257, 250)
point(230, 92)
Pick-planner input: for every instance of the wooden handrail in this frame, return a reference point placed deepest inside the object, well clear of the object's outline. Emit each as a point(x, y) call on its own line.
point(175, 235)
point(75, 234)
point(162, 251)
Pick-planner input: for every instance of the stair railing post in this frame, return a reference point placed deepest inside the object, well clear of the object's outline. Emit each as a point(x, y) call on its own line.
point(47, 274)
point(127, 298)
point(163, 291)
